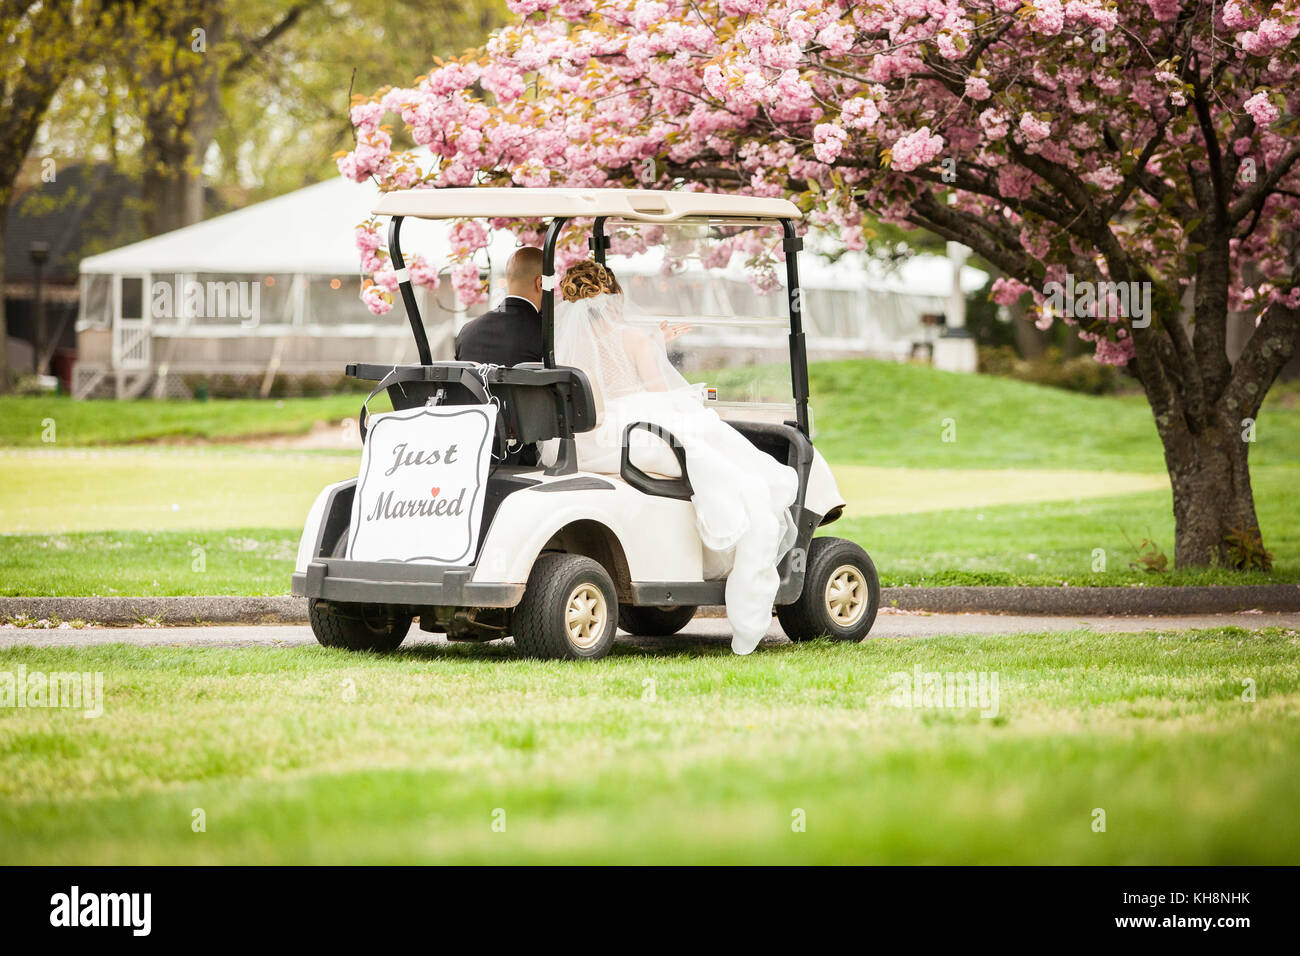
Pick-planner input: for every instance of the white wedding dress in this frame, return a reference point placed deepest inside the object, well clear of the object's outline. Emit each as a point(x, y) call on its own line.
point(742, 496)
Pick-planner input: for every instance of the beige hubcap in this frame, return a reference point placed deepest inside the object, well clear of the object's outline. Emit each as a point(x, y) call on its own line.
point(585, 615)
point(846, 595)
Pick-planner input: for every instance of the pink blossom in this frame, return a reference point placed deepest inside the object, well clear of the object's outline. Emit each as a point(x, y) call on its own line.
point(377, 300)
point(829, 140)
point(1015, 182)
point(995, 123)
point(1272, 35)
point(368, 243)
point(837, 38)
point(799, 29)
point(859, 113)
point(1115, 353)
point(977, 88)
point(1104, 177)
point(1034, 129)
point(1234, 16)
point(915, 149)
point(366, 117)
point(1261, 110)
point(1048, 17)
point(467, 282)
point(1007, 291)
point(1164, 9)
point(423, 273)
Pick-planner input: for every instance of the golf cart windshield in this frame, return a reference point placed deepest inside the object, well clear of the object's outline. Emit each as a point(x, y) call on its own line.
point(737, 345)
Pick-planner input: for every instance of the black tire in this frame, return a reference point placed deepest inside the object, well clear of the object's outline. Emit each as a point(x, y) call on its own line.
point(654, 621)
point(540, 624)
point(812, 616)
point(358, 627)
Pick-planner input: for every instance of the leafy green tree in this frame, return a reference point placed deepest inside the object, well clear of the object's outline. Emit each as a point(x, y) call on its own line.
point(44, 42)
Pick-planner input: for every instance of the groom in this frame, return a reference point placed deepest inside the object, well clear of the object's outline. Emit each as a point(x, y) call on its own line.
point(512, 332)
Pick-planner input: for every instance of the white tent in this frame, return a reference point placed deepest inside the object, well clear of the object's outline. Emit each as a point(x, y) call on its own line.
point(265, 289)
point(273, 289)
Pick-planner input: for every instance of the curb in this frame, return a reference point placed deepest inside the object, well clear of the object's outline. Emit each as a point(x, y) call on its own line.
point(1068, 601)
point(118, 611)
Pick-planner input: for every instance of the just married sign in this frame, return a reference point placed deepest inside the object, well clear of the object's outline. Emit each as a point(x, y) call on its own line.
point(419, 496)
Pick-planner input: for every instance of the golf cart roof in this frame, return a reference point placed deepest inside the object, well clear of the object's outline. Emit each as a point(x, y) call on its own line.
point(639, 205)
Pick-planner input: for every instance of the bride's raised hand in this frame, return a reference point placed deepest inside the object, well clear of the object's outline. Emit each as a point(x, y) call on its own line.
point(671, 332)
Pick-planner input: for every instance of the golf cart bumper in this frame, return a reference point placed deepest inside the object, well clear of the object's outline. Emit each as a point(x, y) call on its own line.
point(417, 585)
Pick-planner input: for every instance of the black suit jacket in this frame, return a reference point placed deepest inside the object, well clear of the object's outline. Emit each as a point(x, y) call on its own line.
point(509, 334)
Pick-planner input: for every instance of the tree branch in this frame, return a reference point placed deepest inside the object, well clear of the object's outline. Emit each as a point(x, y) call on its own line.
point(1267, 351)
point(1256, 193)
point(254, 48)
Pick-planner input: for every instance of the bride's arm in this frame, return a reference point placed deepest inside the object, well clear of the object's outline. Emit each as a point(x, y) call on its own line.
point(642, 352)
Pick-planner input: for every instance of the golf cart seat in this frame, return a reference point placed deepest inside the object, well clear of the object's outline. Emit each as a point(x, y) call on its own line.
point(536, 403)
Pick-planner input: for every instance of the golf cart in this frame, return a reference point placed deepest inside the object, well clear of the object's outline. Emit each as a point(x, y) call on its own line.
point(551, 555)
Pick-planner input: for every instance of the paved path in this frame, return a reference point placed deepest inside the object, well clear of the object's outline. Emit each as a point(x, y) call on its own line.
point(702, 632)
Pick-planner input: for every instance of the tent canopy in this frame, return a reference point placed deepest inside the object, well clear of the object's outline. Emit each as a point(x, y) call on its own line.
point(306, 231)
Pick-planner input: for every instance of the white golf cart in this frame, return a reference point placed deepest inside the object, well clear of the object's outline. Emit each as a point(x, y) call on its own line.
point(558, 557)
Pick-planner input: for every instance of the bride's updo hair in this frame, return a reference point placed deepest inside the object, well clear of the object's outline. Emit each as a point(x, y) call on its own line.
point(588, 278)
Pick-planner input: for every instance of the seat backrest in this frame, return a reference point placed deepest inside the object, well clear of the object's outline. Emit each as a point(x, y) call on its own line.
point(544, 393)
point(536, 403)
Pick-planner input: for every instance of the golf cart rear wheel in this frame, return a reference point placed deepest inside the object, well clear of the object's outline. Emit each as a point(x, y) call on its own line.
point(654, 621)
point(569, 610)
point(358, 627)
point(841, 594)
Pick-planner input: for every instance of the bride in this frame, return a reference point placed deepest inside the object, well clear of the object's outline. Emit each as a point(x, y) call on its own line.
point(742, 497)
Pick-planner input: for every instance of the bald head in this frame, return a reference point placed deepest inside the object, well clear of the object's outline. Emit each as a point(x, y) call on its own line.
point(524, 274)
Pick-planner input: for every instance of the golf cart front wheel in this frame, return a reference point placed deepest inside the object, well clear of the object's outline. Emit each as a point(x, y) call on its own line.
point(357, 627)
point(654, 621)
point(841, 594)
point(569, 610)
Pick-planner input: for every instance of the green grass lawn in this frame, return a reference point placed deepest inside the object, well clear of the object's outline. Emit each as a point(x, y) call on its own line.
point(1051, 543)
point(24, 422)
point(1037, 479)
point(1044, 543)
point(884, 413)
point(163, 489)
point(303, 755)
point(248, 561)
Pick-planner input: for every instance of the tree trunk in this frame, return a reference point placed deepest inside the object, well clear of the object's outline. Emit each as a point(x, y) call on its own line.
point(170, 182)
point(179, 125)
point(1214, 507)
point(1030, 339)
point(6, 377)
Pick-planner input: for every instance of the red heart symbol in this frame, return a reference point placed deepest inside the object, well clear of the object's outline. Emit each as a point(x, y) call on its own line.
point(435, 491)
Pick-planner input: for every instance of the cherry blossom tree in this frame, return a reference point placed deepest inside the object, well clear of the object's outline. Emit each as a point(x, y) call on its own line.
point(1131, 165)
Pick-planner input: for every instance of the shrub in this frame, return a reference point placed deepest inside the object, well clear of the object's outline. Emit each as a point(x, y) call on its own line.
point(1078, 374)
